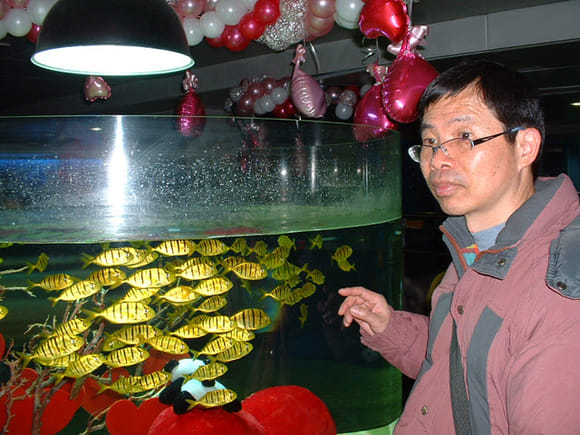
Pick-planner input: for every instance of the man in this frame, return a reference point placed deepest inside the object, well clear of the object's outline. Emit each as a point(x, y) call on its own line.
point(500, 351)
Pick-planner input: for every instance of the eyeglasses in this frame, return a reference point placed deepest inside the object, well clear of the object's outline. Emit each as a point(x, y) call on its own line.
point(455, 147)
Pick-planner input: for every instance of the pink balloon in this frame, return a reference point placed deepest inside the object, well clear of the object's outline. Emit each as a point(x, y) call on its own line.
point(370, 112)
point(307, 94)
point(19, 4)
point(96, 88)
point(318, 27)
point(189, 8)
point(321, 8)
point(384, 17)
point(209, 5)
point(4, 8)
point(191, 112)
point(404, 84)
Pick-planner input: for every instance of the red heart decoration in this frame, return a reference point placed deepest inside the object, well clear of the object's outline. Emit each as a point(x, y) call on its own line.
point(370, 112)
point(157, 360)
point(95, 403)
point(96, 87)
point(404, 85)
point(125, 418)
point(56, 416)
point(384, 17)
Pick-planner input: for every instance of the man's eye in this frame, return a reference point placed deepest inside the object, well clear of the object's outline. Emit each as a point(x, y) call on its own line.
point(429, 141)
point(465, 135)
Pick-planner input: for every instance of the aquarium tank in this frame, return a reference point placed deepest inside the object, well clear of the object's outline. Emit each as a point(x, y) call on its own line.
point(129, 244)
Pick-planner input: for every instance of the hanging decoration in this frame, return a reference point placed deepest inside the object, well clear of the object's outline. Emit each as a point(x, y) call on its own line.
point(384, 17)
point(307, 94)
point(191, 111)
point(370, 111)
point(96, 88)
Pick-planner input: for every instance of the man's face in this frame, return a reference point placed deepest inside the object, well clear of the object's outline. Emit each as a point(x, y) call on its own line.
point(484, 183)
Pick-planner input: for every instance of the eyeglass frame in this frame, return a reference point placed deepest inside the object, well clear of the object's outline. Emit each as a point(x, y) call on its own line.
point(474, 142)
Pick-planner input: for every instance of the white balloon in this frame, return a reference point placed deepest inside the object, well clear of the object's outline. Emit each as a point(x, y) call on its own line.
point(257, 108)
point(365, 88)
point(250, 4)
point(38, 10)
point(267, 103)
point(18, 22)
point(3, 29)
point(345, 24)
point(279, 95)
point(343, 111)
point(192, 28)
point(211, 25)
point(230, 11)
point(348, 10)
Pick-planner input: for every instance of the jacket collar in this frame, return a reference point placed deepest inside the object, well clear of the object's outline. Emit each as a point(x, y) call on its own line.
point(497, 260)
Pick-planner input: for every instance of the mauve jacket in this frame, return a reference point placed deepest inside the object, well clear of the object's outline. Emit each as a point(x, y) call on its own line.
point(517, 310)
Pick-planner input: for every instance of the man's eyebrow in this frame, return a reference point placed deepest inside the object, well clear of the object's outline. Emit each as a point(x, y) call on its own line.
point(458, 119)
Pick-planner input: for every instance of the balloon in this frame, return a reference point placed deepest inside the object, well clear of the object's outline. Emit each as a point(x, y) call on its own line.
point(249, 4)
point(189, 8)
point(267, 11)
point(3, 30)
point(233, 39)
point(32, 36)
point(250, 27)
point(348, 10)
point(37, 9)
point(343, 111)
point(216, 42)
point(348, 97)
point(190, 110)
point(280, 111)
point(268, 84)
point(211, 24)
point(18, 4)
point(96, 88)
point(230, 11)
point(317, 27)
point(417, 34)
point(279, 94)
point(246, 102)
point(307, 94)
point(4, 8)
point(210, 5)
point(370, 112)
point(18, 22)
point(285, 82)
point(384, 17)
point(364, 89)
point(332, 94)
point(404, 84)
point(192, 28)
point(321, 8)
point(351, 25)
point(255, 90)
point(267, 103)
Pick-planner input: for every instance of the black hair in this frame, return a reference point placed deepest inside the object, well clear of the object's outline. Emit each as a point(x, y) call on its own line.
point(506, 92)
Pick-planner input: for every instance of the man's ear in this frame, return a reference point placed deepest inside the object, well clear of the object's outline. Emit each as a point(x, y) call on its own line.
point(528, 142)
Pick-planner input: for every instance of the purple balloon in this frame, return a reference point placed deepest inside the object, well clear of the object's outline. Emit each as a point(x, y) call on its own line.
point(370, 112)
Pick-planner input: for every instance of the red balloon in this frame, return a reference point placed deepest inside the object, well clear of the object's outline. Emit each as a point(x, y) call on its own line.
point(289, 107)
point(404, 84)
point(384, 17)
point(370, 112)
point(216, 42)
point(267, 11)
point(256, 90)
point(250, 27)
point(233, 38)
point(280, 111)
point(268, 84)
point(32, 36)
point(191, 115)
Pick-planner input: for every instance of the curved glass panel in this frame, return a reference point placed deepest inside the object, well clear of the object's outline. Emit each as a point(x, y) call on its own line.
point(308, 207)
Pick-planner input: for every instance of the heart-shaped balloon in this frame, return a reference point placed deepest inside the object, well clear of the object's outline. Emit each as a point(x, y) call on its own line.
point(307, 94)
point(125, 418)
point(405, 83)
point(370, 119)
point(96, 88)
point(384, 17)
point(94, 402)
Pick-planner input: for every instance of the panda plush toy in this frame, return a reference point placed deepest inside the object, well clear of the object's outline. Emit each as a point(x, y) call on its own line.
point(179, 391)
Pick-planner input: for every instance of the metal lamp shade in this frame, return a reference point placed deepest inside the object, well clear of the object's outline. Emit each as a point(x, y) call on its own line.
point(112, 37)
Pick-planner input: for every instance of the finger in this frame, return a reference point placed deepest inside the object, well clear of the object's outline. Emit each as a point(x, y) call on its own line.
point(353, 291)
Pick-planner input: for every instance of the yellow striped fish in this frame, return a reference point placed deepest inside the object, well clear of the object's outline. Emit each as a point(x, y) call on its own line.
point(109, 276)
point(152, 277)
point(136, 294)
point(272, 260)
point(279, 292)
point(217, 324)
point(145, 258)
point(238, 350)
point(307, 290)
point(78, 291)
point(250, 271)
point(175, 248)
point(211, 247)
point(294, 297)
point(316, 276)
point(72, 327)
point(212, 304)
point(240, 246)
point(168, 344)
point(109, 258)
point(83, 366)
point(260, 248)
point(182, 294)
point(213, 286)
point(345, 265)
point(153, 380)
point(213, 398)
point(216, 346)
point(209, 371)
point(135, 334)
point(229, 263)
point(316, 242)
point(126, 356)
point(251, 318)
point(342, 253)
point(62, 362)
point(3, 311)
point(125, 312)
point(286, 242)
point(123, 385)
point(239, 334)
point(57, 346)
point(196, 269)
point(189, 331)
point(55, 282)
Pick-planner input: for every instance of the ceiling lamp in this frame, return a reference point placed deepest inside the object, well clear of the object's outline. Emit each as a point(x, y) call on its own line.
point(112, 38)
